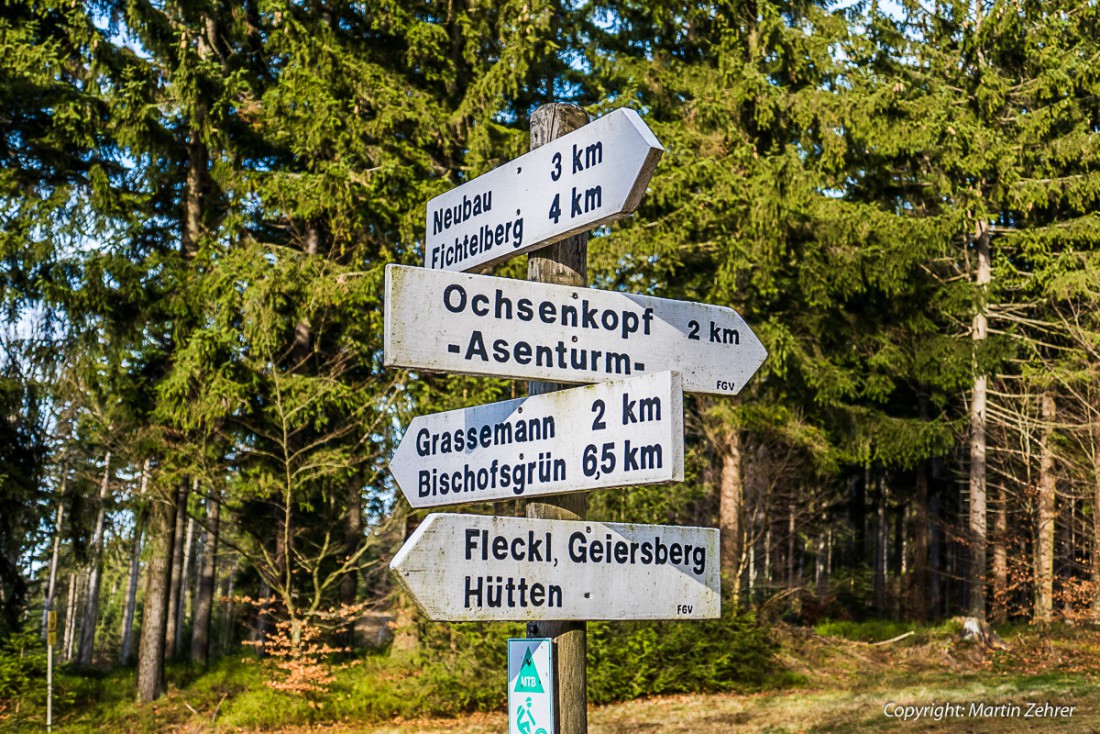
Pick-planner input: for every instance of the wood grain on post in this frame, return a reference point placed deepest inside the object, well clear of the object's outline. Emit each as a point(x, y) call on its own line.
point(565, 263)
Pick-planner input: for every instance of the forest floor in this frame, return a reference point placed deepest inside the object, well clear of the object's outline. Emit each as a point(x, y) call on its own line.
point(838, 681)
point(850, 686)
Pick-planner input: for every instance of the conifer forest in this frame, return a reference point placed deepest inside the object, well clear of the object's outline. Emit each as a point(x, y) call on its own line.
point(198, 202)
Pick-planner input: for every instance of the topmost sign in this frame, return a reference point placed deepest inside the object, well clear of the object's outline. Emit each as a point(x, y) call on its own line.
point(578, 181)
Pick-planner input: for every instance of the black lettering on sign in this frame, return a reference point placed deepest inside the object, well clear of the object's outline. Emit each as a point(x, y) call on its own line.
point(723, 335)
point(457, 213)
point(649, 410)
point(586, 157)
point(498, 591)
point(598, 423)
point(586, 201)
point(642, 457)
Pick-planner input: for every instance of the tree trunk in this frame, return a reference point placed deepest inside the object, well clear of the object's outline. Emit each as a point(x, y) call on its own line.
point(1000, 556)
point(230, 610)
point(731, 494)
point(70, 618)
point(1069, 546)
point(564, 263)
point(176, 570)
point(158, 583)
point(91, 601)
point(184, 582)
point(767, 575)
point(821, 562)
point(976, 571)
point(857, 518)
point(791, 580)
point(198, 159)
point(204, 600)
point(895, 557)
point(1044, 545)
point(263, 611)
point(1096, 515)
point(922, 539)
point(751, 566)
point(58, 520)
point(353, 531)
point(135, 571)
point(935, 541)
point(879, 564)
point(126, 649)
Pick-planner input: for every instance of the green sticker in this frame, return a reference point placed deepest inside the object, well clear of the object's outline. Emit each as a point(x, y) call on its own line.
point(528, 680)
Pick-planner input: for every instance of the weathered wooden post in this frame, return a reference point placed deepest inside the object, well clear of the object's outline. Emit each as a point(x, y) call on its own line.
point(565, 263)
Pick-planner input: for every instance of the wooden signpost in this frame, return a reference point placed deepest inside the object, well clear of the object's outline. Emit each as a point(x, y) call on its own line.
point(610, 434)
point(590, 176)
point(482, 568)
point(500, 327)
point(553, 569)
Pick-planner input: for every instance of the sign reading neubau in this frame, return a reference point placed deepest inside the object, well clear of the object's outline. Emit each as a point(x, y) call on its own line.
point(591, 176)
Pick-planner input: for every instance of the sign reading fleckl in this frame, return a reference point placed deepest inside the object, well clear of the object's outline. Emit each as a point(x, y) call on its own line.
point(478, 568)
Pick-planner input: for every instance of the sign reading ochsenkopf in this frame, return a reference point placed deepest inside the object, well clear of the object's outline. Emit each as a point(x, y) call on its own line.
point(474, 567)
point(481, 325)
point(610, 434)
point(590, 176)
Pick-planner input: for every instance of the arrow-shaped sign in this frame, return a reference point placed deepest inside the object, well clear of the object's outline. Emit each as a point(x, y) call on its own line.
point(591, 176)
point(478, 568)
point(610, 434)
point(481, 325)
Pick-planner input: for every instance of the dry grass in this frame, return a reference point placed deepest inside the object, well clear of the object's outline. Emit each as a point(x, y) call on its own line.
point(848, 684)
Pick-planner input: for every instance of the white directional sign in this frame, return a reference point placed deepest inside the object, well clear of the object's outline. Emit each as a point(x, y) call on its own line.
point(590, 176)
point(481, 325)
point(479, 568)
point(610, 434)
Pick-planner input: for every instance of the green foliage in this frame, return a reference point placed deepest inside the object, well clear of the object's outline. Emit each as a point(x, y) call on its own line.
point(22, 664)
point(631, 659)
point(207, 220)
point(872, 630)
point(22, 459)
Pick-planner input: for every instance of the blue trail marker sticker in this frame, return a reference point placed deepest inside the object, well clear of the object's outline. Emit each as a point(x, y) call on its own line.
point(530, 686)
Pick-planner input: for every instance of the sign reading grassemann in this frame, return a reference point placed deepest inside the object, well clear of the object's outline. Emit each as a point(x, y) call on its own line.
point(482, 325)
point(480, 568)
point(593, 175)
point(610, 434)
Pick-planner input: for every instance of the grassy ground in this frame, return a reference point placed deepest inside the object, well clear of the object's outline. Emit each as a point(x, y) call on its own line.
point(849, 682)
point(836, 682)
